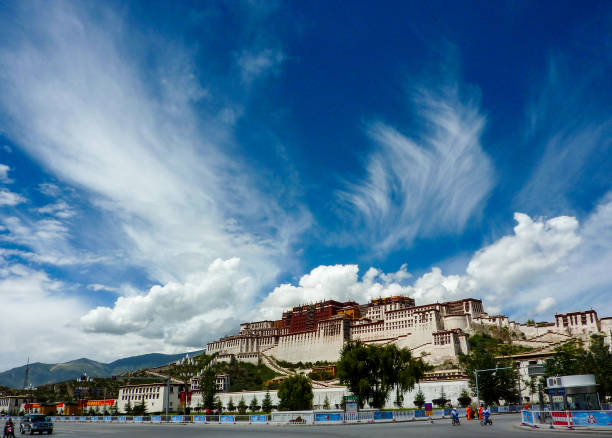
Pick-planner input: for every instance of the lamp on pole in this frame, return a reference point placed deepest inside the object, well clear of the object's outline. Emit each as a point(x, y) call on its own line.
point(483, 371)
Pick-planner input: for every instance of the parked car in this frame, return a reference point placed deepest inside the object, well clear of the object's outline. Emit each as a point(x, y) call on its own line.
point(31, 423)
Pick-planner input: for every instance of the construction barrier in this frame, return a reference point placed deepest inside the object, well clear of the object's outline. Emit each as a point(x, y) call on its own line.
point(599, 420)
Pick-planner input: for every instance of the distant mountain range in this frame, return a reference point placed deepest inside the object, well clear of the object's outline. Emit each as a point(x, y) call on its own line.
point(42, 373)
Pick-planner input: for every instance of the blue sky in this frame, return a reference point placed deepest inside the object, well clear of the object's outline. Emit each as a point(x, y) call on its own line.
point(170, 170)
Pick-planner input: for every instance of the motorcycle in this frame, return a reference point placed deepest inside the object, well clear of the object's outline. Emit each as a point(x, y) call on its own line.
point(456, 421)
point(9, 431)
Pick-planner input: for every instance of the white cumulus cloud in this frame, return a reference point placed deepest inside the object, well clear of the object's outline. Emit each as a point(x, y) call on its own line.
point(337, 282)
point(186, 314)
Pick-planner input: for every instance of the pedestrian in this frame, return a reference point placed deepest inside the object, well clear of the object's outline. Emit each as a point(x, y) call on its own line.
point(480, 411)
point(468, 412)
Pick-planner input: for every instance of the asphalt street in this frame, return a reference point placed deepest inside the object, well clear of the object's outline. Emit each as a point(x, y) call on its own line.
point(503, 427)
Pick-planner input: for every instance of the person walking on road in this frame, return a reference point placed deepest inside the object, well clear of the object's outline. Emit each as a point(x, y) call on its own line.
point(468, 412)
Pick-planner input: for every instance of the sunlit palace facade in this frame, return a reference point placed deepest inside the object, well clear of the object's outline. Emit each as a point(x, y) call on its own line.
point(437, 332)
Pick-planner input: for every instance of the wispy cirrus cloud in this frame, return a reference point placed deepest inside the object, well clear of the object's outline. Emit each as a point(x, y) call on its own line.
point(133, 139)
point(428, 183)
point(572, 127)
point(4, 170)
point(10, 199)
point(125, 121)
point(255, 63)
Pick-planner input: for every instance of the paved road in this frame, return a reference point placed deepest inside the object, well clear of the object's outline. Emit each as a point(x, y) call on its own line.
point(503, 428)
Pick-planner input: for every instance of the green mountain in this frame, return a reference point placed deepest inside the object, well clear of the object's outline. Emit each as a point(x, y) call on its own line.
point(42, 373)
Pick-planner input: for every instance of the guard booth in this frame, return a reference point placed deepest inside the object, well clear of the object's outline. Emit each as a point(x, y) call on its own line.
point(573, 393)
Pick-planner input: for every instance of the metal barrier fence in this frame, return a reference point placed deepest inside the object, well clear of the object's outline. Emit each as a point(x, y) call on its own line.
point(568, 419)
point(301, 417)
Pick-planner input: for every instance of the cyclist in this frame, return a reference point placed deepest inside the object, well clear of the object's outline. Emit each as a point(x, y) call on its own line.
point(486, 414)
point(455, 416)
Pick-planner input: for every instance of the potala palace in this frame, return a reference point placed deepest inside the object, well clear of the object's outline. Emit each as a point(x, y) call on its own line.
point(437, 332)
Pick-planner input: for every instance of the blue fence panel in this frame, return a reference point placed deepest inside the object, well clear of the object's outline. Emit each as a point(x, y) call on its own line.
point(328, 416)
point(156, 419)
point(227, 419)
point(177, 419)
point(121, 419)
point(527, 417)
point(383, 415)
point(137, 419)
point(94, 418)
point(108, 418)
point(199, 419)
point(259, 419)
point(592, 418)
point(419, 413)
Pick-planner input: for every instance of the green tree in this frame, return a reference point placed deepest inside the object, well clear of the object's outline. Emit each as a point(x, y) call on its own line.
point(326, 403)
point(208, 387)
point(266, 405)
point(242, 406)
point(218, 404)
point(253, 406)
point(128, 408)
point(230, 405)
point(114, 410)
point(295, 393)
point(419, 399)
point(599, 363)
point(570, 358)
point(492, 385)
point(372, 371)
point(464, 398)
point(442, 400)
point(140, 409)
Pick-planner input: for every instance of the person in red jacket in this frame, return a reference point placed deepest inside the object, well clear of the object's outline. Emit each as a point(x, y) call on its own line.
point(468, 411)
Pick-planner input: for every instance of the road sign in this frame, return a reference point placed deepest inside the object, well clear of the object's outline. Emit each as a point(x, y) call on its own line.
point(556, 391)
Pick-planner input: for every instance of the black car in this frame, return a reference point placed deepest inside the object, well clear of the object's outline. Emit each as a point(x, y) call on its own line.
point(32, 423)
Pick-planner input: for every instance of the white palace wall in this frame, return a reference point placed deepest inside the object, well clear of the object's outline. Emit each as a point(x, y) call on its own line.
point(431, 390)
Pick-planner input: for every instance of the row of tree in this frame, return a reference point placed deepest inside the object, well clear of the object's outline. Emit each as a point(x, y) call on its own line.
point(570, 358)
point(574, 358)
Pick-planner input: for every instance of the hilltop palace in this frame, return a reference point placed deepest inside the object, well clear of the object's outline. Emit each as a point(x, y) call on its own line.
point(438, 332)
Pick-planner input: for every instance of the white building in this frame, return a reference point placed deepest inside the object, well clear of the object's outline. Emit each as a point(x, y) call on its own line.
point(11, 404)
point(153, 395)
